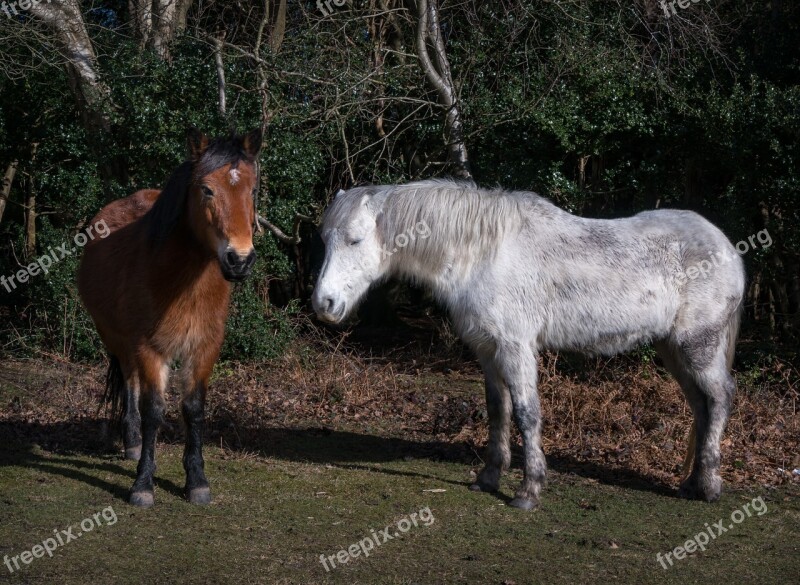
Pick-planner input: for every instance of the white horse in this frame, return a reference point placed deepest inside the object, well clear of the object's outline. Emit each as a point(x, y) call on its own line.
point(519, 275)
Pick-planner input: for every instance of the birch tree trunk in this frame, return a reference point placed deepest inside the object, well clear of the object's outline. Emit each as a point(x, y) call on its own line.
point(279, 29)
point(92, 95)
point(437, 69)
point(5, 191)
point(156, 23)
point(30, 220)
point(30, 210)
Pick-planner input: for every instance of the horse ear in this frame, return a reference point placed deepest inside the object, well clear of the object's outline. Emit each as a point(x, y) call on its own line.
point(338, 193)
point(251, 142)
point(197, 142)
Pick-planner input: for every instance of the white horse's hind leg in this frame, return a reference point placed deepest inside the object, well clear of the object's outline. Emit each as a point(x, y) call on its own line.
point(705, 481)
point(516, 363)
point(709, 388)
point(498, 406)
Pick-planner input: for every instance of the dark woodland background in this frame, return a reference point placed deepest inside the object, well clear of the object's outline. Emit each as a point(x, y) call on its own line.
point(607, 108)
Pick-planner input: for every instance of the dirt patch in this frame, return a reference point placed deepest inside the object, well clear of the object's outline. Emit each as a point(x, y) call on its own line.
point(613, 419)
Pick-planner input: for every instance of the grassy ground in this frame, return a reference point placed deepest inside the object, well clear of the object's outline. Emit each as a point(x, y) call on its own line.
point(297, 476)
point(272, 518)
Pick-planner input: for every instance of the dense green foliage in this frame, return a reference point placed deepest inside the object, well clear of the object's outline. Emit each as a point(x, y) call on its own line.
point(579, 101)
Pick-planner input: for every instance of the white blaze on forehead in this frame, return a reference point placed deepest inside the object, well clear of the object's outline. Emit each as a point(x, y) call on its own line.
point(235, 176)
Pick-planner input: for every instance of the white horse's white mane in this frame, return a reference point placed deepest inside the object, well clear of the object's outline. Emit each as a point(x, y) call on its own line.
point(460, 217)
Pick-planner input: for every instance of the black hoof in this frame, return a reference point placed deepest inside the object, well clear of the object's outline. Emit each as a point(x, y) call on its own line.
point(523, 504)
point(200, 495)
point(479, 487)
point(142, 499)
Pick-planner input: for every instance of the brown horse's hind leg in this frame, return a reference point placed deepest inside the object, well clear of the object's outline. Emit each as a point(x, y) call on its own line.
point(196, 372)
point(122, 390)
point(132, 420)
point(153, 373)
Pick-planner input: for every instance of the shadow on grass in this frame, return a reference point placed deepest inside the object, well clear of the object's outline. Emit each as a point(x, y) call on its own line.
point(23, 441)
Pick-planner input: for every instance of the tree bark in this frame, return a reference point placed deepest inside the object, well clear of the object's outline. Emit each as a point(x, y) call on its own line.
point(169, 18)
point(218, 43)
point(92, 95)
point(437, 70)
point(30, 221)
point(156, 23)
point(30, 210)
point(5, 191)
point(279, 29)
point(141, 14)
point(377, 31)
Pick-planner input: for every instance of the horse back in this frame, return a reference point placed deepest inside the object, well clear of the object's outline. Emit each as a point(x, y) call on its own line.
point(123, 212)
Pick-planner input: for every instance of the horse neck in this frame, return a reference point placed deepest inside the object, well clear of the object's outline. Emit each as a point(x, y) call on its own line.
point(182, 263)
point(437, 263)
point(466, 231)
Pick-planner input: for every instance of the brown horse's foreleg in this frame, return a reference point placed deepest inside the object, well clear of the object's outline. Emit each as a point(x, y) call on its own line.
point(197, 372)
point(193, 406)
point(153, 379)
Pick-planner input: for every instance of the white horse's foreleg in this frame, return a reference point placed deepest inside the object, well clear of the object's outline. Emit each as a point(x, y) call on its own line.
point(516, 363)
point(498, 406)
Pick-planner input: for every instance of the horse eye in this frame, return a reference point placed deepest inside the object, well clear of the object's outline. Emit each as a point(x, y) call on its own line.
point(355, 242)
point(207, 193)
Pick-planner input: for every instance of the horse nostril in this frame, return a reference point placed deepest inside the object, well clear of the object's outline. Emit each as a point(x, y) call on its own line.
point(328, 305)
point(250, 260)
point(232, 258)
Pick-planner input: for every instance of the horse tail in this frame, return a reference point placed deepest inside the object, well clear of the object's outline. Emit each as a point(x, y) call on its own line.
point(732, 334)
point(115, 389)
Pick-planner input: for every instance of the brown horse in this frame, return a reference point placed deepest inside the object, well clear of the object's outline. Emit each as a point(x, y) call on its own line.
point(158, 289)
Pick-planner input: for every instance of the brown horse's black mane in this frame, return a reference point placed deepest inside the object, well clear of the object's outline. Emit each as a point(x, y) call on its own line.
point(166, 211)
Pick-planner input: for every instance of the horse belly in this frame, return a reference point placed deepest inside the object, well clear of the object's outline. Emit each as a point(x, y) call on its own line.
point(610, 322)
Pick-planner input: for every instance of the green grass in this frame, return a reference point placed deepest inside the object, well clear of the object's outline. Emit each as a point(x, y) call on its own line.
point(273, 517)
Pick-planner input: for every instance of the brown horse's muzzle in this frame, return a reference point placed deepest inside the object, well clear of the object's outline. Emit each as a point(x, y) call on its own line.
point(235, 267)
